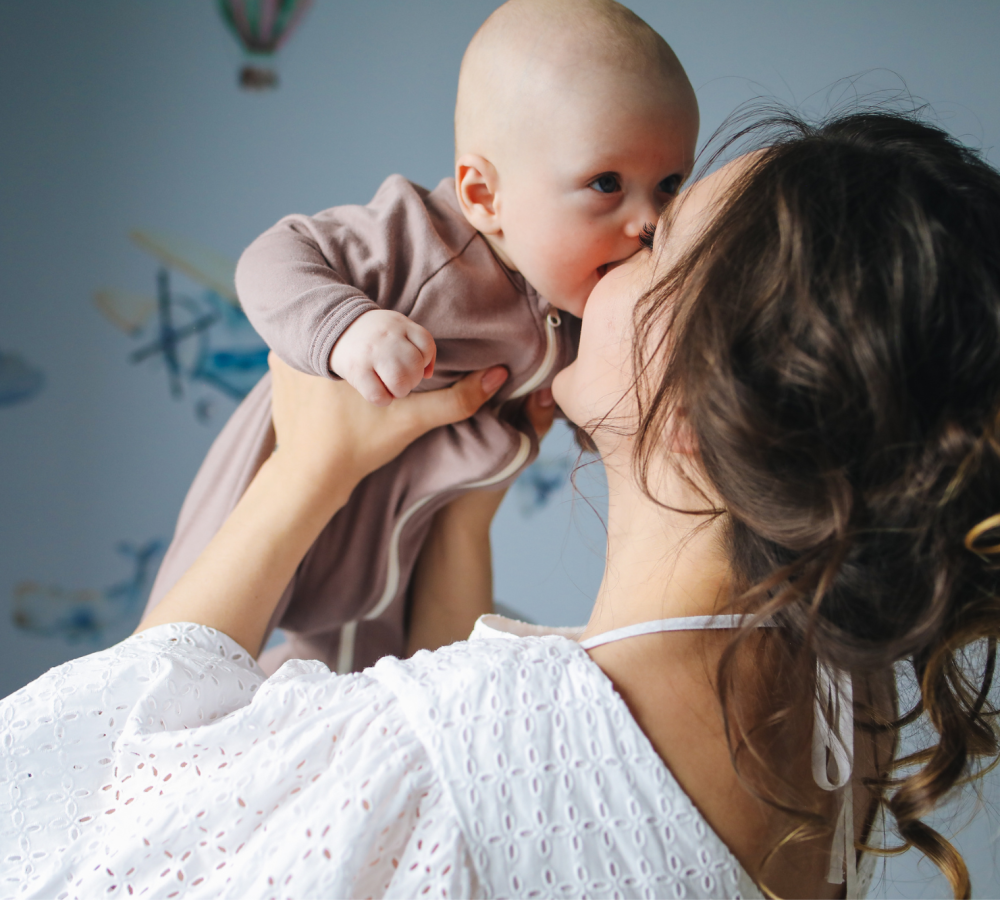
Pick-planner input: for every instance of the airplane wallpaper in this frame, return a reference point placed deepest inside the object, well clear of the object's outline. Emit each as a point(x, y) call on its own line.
point(144, 146)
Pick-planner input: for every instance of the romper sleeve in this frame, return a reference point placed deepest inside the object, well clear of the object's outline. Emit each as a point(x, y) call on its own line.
point(306, 279)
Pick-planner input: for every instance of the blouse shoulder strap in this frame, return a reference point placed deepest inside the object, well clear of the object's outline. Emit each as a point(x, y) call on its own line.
point(654, 626)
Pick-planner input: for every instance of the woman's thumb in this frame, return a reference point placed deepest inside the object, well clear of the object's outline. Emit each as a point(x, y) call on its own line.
point(491, 380)
point(461, 400)
point(475, 389)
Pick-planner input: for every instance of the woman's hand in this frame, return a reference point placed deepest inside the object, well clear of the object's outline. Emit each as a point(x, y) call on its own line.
point(330, 438)
point(327, 432)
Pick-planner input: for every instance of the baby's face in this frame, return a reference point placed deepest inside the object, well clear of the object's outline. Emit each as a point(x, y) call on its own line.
point(584, 182)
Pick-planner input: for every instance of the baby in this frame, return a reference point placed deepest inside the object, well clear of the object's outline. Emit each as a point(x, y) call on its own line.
point(574, 125)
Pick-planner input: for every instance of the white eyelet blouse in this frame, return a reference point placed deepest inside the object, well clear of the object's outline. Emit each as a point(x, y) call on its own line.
point(504, 766)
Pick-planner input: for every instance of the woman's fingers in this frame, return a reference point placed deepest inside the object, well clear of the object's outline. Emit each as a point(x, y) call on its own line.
point(328, 429)
point(453, 404)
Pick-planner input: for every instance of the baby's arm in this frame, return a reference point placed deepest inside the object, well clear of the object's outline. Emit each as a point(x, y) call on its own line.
point(346, 273)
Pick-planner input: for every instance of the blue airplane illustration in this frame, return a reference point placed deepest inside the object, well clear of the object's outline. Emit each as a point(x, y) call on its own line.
point(205, 339)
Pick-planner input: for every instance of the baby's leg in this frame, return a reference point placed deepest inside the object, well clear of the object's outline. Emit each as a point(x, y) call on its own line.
point(453, 581)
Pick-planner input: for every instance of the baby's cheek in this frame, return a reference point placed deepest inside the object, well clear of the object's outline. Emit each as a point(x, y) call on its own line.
point(576, 302)
point(578, 276)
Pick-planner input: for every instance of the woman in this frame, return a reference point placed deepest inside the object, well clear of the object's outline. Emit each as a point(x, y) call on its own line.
point(794, 389)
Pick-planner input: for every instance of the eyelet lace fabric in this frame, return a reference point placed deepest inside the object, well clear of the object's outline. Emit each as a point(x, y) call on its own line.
point(167, 766)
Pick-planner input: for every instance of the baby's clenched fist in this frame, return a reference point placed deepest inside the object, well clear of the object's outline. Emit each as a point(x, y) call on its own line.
point(383, 355)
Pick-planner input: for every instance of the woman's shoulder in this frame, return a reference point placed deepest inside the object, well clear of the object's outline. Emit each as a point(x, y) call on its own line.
point(496, 644)
point(504, 666)
point(556, 786)
point(123, 760)
point(110, 682)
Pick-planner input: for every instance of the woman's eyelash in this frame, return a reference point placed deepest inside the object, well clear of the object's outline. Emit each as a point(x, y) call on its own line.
point(646, 235)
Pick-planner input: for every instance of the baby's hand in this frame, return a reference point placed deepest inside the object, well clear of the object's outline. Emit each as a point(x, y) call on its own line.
point(383, 355)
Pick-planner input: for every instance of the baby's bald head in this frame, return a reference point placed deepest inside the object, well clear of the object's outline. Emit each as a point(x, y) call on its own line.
point(575, 124)
point(532, 55)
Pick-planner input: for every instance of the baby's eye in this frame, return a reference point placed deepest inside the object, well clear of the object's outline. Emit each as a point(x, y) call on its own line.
point(670, 185)
point(606, 184)
point(646, 235)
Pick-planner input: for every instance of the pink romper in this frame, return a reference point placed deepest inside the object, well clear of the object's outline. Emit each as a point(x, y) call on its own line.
point(302, 283)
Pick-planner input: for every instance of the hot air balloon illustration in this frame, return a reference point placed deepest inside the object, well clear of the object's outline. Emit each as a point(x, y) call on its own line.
point(261, 27)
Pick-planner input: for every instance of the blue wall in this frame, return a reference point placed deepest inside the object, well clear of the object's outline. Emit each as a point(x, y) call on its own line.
point(118, 115)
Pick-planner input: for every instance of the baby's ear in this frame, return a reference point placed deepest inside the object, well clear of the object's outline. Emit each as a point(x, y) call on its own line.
point(476, 183)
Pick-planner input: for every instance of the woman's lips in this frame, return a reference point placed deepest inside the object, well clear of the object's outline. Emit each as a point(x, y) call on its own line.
point(608, 266)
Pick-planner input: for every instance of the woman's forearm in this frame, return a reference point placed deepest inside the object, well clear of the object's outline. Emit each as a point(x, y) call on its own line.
point(236, 582)
point(330, 438)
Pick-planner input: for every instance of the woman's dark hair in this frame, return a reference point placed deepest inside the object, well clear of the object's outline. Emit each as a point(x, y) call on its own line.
point(832, 342)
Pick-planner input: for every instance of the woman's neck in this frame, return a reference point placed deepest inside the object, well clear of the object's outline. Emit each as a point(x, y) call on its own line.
point(667, 564)
point(661, 563)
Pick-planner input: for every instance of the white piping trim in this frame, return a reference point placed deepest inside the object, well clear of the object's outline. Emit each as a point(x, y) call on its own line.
point(345, 657)
point(392, 573)
point(348, 631)
point(523, 452)
point(552, 322)
point(345, 654)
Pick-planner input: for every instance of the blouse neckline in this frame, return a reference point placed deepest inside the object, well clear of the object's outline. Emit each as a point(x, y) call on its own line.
point(830, 740)
point(493, 626)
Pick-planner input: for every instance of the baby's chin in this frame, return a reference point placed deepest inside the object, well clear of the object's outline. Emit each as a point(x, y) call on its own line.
point(575, 302)
point(572, 306)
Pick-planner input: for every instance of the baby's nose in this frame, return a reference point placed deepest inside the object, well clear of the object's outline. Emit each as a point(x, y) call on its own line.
point(646, 213)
